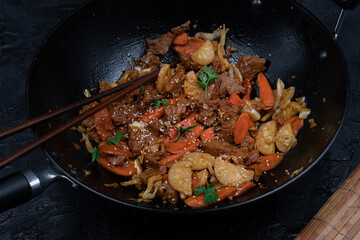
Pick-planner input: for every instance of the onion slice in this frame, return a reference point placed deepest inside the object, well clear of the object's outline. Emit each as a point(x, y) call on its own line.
point(221, 51)
point(211, 36)
point(279, 93)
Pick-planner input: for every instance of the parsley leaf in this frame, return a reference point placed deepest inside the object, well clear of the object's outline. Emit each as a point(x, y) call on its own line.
point(206, 77)
point(210, 193)
point(158, 102)
point(141, 88)
point(216, 128)
point(115, 139)
point(210, 197)
point(95, 154)
point(210, 188)
point(199, 190)
point(182, 131)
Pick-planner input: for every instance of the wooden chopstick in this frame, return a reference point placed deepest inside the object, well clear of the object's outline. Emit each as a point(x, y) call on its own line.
point(24, 125)
point(125, 89)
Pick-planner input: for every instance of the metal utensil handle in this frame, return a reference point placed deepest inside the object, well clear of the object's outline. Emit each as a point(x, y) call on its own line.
point(339, 23)
point(345, 5)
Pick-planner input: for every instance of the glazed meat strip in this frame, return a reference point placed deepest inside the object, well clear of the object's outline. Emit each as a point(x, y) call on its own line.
point(175, 112)
point(123, 114)
point(251, 65)
point(150, 60)
point(208, 112)
point(181, 29)
point(187, 62)
point(139, 137)
point(161, 45)
point(212, 93)
point(228, 114)
point(229, 85)
point(175, 85)
point(218, 147)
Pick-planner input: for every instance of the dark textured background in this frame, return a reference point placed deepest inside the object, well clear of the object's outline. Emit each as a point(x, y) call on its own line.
point(64, 212)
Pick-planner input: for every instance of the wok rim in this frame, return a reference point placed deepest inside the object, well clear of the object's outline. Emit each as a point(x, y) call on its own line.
point(209, 209)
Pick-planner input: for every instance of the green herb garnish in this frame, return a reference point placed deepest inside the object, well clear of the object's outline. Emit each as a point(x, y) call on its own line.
point(95, 154)
point(182, 131)
point(115, 139)
point(210, 193)
point(206, 77)
point(158, 102)
point(141, 88)
point(216, 128)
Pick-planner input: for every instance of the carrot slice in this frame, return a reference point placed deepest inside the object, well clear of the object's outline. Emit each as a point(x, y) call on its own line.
point(208, 134)
point(127, 170)
point(184, 141)
point(192, 45)
point(241, 127)
point(235, 99)
point(295, 122)
point(198, 200)
point(153, 113)
point(122, 149)
point(267, 162)
point(159, 111)
point(179, 145)
point(245, 186)
point(172, 133)
point(103, 124)
point(195, 181)
point(187, 122)
point(181, 39)
point(265, 91)
point(270, 161)
point(173, 146)
point(174, 157)
point(195, 132)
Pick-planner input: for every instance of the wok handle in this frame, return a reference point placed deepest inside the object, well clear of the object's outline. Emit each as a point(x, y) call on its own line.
point(339, 218)
point(15, 189)
point(19, 187)
point(347, 4)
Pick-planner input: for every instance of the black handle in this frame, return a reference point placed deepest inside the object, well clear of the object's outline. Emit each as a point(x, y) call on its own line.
point(20, 187)
point(14, 190)
point(347, 4)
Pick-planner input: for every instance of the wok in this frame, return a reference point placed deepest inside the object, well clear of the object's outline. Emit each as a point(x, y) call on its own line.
point(99, 39)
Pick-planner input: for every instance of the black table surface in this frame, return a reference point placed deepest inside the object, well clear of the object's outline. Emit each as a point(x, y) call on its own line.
point(67, 212)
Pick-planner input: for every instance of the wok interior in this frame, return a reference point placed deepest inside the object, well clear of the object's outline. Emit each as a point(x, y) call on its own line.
point(98, 41)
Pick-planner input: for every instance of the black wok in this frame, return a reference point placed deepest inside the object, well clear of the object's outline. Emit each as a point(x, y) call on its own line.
point(98, 41)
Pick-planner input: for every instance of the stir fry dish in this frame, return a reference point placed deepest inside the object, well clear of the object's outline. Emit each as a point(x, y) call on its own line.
point(199, 133)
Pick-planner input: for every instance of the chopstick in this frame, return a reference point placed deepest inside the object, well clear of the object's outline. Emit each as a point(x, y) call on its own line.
point(124, 89)
point(24, 125)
